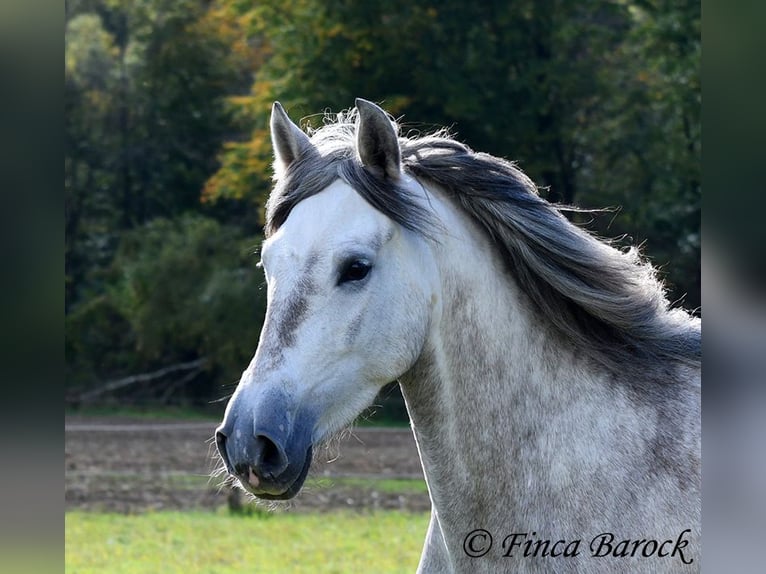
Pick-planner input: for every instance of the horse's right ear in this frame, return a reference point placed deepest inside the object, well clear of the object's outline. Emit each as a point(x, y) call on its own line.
point(289, 141)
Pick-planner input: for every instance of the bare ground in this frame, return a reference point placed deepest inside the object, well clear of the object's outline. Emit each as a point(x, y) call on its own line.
point(125, 465)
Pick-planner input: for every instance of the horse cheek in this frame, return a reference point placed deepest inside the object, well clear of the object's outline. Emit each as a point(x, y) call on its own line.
point(406, 328)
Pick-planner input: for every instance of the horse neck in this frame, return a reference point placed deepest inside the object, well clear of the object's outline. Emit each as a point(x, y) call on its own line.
point(490, 381)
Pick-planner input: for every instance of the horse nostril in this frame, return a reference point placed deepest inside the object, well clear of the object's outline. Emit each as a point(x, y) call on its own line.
point(220, 443)
point(270, 459)
point(264, 459)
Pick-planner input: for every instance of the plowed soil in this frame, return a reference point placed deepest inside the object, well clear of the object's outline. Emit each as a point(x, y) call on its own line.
point(126, 465)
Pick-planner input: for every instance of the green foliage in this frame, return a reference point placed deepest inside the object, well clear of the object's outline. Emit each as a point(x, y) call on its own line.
point(191, 287)
point(152, 413)
point(99, 343)
point(91, 56)
point(167, 105)
point(395, 485)
point(316, 543)
point(509, 77)
point(647, 146)
point(598, 101)
point(146, 100)
point(177, 290)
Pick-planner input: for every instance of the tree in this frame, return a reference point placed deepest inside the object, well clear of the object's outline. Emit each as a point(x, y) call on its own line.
point(146, 98)
point(167, 107)
point(599, 102)
point(644, 148)
point(147, 108)
point(179, 291)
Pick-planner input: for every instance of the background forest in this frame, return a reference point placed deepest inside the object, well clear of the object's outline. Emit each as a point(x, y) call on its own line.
point(168, 156)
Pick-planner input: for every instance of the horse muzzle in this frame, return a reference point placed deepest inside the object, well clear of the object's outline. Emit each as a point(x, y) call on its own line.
point(268, 450)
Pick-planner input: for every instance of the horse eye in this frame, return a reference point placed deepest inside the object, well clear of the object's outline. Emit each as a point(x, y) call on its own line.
point(355, 270)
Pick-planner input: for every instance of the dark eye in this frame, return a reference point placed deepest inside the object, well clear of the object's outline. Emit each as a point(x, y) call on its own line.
point(354, 270)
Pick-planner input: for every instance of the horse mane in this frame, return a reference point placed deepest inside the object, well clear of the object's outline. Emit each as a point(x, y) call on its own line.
point(606, 302)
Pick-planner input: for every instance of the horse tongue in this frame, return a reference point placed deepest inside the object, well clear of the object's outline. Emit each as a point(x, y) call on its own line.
point(253, 479)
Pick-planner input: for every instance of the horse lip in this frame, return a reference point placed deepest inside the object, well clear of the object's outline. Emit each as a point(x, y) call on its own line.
point(296, 485)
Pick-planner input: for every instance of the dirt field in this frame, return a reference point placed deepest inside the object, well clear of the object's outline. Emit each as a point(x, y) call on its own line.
point(129, 465)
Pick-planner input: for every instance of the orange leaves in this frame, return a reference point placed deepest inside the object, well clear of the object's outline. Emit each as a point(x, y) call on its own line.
point(245, 172)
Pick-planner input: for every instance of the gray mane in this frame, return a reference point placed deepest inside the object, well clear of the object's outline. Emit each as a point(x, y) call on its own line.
point(607, 303)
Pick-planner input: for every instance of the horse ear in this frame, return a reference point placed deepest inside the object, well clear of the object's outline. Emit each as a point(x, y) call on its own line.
point(376, 140)
point(289, 141)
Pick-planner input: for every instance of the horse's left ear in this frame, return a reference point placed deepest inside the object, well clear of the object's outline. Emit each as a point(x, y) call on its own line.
point(376, 140)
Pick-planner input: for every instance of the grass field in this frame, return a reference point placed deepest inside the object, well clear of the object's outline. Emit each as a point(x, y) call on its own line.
point(221, 543)
point(401, 485)
point(150, 413)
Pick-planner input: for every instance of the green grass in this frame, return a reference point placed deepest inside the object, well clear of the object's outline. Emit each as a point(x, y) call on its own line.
point(220, 543)
point(397, 485)
point(402, 485)
point(381, 419)
point(149, 413)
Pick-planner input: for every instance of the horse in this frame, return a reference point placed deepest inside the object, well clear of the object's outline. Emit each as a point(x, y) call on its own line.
point(553, 391)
